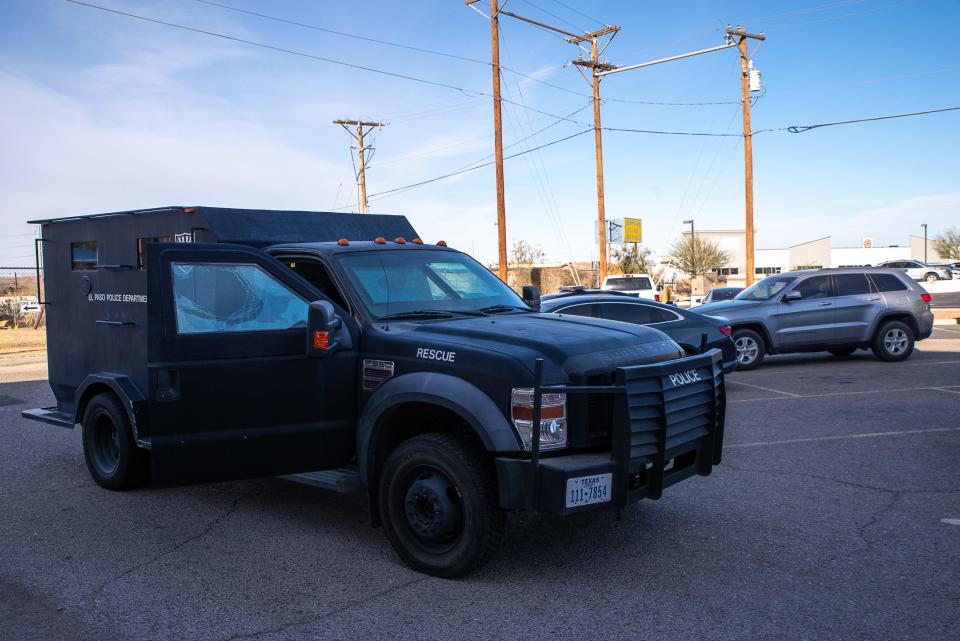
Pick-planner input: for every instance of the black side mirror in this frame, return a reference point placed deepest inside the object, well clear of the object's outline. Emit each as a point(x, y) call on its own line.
point(792, 295)
point(531, 296)
point(326, 332)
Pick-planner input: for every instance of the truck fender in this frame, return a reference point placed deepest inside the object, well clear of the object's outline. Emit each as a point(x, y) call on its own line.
point(446, 391)
point(133, 401)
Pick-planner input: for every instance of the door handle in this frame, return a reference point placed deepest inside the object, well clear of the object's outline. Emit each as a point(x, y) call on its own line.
point(873, 299)
point(826, 304)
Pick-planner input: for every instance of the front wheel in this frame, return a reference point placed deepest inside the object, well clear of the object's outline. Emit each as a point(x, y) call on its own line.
point(931, 277)
point(750, 349)
point(894, 342)
point(438, 500)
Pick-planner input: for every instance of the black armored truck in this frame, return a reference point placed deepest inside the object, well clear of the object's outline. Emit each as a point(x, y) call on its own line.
point(199, 344)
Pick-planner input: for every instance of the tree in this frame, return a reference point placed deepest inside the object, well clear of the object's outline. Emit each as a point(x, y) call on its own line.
point(695, 255)
point(947, 244)
point(523, 254)
point(632, 259)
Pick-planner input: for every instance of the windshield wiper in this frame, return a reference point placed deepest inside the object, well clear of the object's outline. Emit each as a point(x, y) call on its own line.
point(497, 309)
point(420, 313)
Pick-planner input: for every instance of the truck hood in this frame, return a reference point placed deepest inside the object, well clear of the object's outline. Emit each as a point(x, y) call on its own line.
point(576, 345)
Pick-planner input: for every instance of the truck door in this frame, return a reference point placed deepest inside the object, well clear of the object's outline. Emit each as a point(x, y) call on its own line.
point(810, 321)
point(233, 393)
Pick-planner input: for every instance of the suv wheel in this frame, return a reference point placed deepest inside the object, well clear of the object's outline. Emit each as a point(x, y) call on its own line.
point(438, 501)
point(931, 276)
point(750, 349)
point(113, 458)
point(893, 342)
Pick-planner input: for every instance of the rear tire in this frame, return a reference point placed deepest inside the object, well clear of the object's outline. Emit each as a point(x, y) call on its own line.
point(438, 501)
point(931, 277)
point(843, 352)
point(113, 458)
point(751, 349)
point(893, 342)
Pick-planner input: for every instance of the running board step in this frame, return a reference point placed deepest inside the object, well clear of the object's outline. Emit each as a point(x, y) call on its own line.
point(344, 480)
point(50, 416)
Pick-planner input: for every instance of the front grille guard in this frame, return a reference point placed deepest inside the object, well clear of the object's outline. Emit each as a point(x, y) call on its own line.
point(650, 419)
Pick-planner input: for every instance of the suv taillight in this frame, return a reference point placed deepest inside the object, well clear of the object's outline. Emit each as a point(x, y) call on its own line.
point(926, 297)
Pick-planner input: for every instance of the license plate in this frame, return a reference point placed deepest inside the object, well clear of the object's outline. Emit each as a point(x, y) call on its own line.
point(585, 490)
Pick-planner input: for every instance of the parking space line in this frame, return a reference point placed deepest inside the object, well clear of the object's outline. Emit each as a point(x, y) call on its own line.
point(933, 363)
point(765, 389)
point(841, 437)
point(943, 329)
point(942, 388)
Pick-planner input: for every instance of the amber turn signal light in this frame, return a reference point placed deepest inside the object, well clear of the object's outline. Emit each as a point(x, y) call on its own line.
point(321, 339)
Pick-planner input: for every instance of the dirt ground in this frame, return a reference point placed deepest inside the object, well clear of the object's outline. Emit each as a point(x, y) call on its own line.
point(14, 341)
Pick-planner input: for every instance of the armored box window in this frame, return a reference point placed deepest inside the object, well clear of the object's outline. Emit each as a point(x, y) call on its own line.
point(142, 248)
point(83, 255)
point(222, 297)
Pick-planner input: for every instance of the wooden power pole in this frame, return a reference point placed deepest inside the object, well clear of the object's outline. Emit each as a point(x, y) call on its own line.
point(594, 62)
point(742, 34)
point(361, 154)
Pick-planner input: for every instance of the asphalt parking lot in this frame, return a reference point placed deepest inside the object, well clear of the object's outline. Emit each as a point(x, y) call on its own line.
point(835, 514)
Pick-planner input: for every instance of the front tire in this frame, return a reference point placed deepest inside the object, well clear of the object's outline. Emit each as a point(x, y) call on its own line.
point(893, 342)
point(113, 457)
point(438, 501)
point(751, 349)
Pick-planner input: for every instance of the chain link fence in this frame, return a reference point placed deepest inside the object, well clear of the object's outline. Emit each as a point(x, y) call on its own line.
point(19, 298)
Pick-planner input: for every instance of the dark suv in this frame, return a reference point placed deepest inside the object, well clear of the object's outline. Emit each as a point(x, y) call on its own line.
point(834, 310)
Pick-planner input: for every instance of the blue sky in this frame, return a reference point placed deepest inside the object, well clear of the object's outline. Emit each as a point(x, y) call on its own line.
point(102, 112)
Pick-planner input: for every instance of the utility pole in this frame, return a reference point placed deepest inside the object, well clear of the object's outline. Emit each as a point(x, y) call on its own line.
point(595, 51)
point(595, 65)
point(924, 225)
point(361, 154)
point(742, 34)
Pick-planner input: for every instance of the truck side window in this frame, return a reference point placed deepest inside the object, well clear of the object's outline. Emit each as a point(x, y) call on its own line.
point(224, 297)
point(83, 255)
point(316, 274)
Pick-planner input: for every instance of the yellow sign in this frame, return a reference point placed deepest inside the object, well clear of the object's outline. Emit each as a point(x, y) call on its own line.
point(632, 230)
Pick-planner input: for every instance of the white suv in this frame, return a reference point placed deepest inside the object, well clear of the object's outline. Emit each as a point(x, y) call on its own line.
point(639, 285)
point(920, 271)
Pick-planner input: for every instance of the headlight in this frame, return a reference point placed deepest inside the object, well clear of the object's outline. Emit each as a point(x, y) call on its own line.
point(553, 418)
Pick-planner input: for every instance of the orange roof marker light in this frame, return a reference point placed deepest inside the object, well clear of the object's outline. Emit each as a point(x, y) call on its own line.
point(189, 210)
point(441, 243)
point(417, 241)
point(400, 240)
point(380, 240)
point(343, 242)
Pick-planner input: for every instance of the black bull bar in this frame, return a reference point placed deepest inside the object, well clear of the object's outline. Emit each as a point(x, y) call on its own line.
point(668, 422)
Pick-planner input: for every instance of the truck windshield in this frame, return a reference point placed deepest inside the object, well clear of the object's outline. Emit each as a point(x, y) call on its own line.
point(407, 281)
point(766, 288)
point(627, 284)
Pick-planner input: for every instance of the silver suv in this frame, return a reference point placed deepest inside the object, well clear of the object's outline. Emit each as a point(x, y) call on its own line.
point(834, 310)
point(920, 271)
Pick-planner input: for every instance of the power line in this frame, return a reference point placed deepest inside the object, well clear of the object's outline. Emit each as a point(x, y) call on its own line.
point(469, 169)
point(445, 54)
point(799, 129)
point(580, 13)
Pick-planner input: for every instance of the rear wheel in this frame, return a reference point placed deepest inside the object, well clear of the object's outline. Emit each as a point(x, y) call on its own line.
point(438, 501)
point(894, 342)
point(842, 352)
point(750, 349)
point(112, 455)
point(930, 277)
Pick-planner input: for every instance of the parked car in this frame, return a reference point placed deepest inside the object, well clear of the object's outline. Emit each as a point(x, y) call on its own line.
point(720, 293)
point(834, 310)
point(918, 270)
point(686, 328)
point(638, 285)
